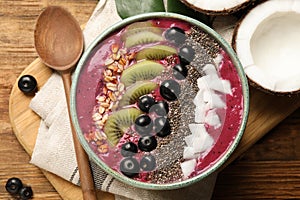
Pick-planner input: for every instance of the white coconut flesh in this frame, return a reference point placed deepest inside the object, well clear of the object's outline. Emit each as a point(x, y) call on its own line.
point(267, 44)
point(216, 5)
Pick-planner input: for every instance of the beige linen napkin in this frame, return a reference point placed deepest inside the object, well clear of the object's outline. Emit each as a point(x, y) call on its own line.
point(54, 149)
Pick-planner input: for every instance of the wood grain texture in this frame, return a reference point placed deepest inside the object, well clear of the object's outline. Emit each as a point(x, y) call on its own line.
point(268, 170)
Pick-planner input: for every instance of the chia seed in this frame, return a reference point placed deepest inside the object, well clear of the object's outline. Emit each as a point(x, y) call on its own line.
point(168, 174)
point(169, 151)
point(210, 45)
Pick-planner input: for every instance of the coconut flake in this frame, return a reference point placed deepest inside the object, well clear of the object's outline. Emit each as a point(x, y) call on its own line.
point(227, 87)
point(210, 69)
point(188, 167)
point(199, 100)
point(219, 59)
point(199, 140)
point(214, 100)
point(201, 107)
point(190, 153)
point(189, 140)
point(202, 143)
point(212, 81)
point(207, 95)
point(200, 112)
point(212, 119)
point(204, 81)
point(197, 129)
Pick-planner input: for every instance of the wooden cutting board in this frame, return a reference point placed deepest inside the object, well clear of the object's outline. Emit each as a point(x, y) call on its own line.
point(266, 111)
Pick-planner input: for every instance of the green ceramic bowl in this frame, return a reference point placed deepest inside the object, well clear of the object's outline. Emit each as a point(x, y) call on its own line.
point(83, 99)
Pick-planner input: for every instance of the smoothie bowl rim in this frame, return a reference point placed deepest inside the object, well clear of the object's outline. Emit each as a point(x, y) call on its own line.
point(220, 161)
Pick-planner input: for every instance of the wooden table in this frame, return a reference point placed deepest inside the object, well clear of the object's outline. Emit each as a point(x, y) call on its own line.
point(269, 169)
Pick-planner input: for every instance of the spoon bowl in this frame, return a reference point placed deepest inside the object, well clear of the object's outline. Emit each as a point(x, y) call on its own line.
point(59, 42)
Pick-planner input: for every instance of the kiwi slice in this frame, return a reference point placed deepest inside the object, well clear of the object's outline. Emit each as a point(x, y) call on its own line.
point(142, 24)
point(143, 37)
point(118, 122)
point(144, 70)
point(139, 27)
point(156, 52)
point(135, 91)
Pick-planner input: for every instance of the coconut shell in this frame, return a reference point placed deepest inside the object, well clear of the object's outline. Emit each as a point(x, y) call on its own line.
point(251, 81)
point(232, 10)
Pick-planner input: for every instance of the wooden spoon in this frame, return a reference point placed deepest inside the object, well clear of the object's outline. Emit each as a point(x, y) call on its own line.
point(59, 42)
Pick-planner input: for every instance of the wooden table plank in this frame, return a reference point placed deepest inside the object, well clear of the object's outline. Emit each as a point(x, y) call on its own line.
point(269, 169)
point(259, 180)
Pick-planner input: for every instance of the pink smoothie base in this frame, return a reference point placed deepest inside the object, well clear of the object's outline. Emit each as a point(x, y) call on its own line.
point(233, 119)
point(91, 77)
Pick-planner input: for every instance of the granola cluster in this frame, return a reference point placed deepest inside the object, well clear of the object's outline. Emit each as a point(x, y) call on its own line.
point(110, 94)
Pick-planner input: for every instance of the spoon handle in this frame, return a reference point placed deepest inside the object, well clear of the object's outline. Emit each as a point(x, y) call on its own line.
point(85, 173)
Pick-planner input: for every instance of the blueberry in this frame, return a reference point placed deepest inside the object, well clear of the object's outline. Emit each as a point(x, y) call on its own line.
point(129, 167)
point(170, 90)
point(26, 193)
point(129, 149)
point(27, 84)
point(145, 103)
point(148, 163)
point(175, 35)
point(186, 55)
point(161, 108)
point(143, 124)
point(13, 185)
point(147, 143)
point(162, 127)
point(180, 71)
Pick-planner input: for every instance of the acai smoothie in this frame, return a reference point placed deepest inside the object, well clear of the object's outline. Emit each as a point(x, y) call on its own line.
point(159, 101)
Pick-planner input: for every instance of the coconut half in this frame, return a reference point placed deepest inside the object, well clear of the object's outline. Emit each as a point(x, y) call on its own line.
point(217, 7)
point(267, 43)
